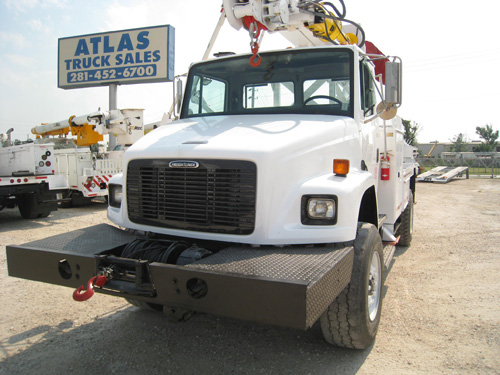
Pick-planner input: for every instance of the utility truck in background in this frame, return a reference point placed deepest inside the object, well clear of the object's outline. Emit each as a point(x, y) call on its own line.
point(27, 178)
point(55, 169)
point(277, 196)
point(86, 167)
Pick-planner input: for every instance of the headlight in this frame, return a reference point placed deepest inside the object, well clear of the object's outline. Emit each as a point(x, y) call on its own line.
point(319, 210)
point(115, 195)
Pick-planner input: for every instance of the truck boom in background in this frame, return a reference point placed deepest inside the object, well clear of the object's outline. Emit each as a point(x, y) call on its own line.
point(56, 169)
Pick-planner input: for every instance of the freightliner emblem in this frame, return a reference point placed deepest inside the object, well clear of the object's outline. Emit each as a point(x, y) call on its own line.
point(183, 164)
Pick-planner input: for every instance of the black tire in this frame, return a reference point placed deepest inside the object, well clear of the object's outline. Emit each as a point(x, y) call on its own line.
point(29, 207)
point(405, 230)
point(352, 320)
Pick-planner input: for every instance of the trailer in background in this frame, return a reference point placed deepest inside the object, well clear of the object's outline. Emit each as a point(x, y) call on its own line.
point(443, 174)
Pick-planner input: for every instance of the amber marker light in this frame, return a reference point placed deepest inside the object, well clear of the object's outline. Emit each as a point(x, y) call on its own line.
point(341, 167)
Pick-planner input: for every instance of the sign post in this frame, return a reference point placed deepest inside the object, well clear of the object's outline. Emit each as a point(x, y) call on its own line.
point(113, 104)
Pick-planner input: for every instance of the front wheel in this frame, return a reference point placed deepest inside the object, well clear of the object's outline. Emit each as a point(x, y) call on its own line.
point(352, 320)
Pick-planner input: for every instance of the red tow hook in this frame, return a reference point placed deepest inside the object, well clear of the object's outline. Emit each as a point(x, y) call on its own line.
point(81, 295)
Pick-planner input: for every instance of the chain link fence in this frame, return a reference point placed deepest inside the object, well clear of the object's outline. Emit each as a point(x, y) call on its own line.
point(479, 163)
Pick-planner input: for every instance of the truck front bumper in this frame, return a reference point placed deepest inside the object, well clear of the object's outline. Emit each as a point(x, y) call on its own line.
point(289, 286)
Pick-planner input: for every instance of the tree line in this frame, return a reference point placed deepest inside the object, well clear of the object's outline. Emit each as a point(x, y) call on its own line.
point(459, 142)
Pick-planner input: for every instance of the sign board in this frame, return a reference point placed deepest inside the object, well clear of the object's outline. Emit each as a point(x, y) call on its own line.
point(119, 57)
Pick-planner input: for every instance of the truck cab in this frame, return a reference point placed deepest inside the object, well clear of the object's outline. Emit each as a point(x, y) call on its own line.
point(251, 159)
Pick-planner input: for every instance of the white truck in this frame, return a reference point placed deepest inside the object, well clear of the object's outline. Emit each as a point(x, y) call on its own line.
point(278, 196)
point(87, 173)
point(38, 176)
point(88, 170)
point(28, 179)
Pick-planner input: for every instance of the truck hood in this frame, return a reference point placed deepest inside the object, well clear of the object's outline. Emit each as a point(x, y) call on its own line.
point(244, 136)
point(293, 156)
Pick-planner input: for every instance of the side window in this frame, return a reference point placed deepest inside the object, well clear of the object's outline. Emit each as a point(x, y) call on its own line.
point(368, 90)
point(207, 96)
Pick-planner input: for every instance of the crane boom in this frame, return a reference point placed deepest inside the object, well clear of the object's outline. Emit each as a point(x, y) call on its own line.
point(302, 22)
point(126, 125)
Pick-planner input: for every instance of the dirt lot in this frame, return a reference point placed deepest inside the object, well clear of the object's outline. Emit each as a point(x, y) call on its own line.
point(441, 310)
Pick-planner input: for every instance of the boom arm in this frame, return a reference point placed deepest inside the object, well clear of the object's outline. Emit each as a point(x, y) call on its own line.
point(126, 125)
point(302, 22)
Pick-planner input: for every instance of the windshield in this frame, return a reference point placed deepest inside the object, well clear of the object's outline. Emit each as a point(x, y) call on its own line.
point(294, 81)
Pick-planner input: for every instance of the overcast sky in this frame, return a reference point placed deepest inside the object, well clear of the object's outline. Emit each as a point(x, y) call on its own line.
point(449, 48)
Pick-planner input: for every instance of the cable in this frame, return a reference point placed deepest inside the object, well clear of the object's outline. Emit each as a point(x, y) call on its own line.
point(326, 14)
point(154, 251)
point(339, 14)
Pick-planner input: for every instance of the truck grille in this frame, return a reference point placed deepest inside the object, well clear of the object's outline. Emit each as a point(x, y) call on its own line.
point(218, 196)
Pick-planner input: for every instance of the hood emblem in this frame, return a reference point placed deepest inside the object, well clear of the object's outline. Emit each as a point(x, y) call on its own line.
point(183, 164)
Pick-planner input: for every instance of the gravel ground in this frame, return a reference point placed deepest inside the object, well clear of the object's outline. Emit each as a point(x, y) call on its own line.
point(441, 310)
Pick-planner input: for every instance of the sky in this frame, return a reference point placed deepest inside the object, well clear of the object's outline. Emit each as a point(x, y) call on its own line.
point(449, 49)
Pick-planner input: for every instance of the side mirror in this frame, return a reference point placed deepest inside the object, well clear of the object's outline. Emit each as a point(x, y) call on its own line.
point(393, 84)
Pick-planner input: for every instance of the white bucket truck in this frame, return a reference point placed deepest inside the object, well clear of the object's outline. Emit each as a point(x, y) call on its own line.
point(278, 196)
point(28, 179)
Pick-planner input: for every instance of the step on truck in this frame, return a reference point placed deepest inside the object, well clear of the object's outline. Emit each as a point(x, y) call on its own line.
point(277, 196)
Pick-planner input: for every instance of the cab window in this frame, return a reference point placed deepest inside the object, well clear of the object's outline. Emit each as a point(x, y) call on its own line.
point(368, 90)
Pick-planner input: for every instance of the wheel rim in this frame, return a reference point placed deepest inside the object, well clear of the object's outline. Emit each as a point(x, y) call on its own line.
point(374, 283)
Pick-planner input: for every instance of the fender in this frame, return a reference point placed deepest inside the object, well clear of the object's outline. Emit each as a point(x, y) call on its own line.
point(349, 191)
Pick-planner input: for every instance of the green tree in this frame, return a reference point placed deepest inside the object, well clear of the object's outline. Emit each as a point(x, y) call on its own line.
point(459, 143)
point(489, 136)
point(411, 131)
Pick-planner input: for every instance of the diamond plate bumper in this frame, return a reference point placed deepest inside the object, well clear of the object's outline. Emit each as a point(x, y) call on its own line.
point(289, 286)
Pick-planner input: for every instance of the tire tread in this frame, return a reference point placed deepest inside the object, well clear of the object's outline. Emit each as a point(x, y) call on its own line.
point(341, 322)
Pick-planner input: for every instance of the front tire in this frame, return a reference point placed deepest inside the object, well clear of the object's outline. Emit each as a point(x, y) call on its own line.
point(352, 320)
